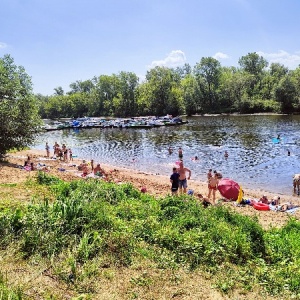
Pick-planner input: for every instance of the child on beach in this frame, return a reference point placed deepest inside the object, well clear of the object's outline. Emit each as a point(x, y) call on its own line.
point(174, 179)
point(209, 175)
point(92, 164)
point(204, 201)
point(70, 154)
point(219, 175)
point(64, 152)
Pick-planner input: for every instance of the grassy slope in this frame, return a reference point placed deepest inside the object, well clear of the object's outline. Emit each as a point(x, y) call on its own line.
point(100, 240)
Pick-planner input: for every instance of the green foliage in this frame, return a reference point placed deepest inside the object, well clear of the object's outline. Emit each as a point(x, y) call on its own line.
point(18, 108)
point(102, 223)
point(206, 87)
point(257, 106)
point(7, 293)
point(286, 93)
point(253, 63)
point(46, 179)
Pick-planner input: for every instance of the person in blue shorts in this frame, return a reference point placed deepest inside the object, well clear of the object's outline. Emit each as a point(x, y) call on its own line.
point(182, 177)
point(174, 179)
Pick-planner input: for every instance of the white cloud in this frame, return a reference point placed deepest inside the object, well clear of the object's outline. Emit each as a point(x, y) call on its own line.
point(220, 55)
point(174, 59)
point(287, 59)
point(3, 45)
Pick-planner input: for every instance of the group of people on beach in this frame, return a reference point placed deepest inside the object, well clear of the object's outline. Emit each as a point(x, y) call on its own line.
point(179, 185)
point(63, 153)
point(276, 204)
point(179, 179)
point(89, 168)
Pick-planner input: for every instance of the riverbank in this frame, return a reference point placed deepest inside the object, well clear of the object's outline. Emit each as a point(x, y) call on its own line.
point(157, 185)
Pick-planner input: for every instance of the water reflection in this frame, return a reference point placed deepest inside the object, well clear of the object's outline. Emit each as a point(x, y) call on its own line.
point(256, 158)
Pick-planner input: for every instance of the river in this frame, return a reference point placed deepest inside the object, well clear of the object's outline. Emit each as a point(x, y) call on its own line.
point(257, 158)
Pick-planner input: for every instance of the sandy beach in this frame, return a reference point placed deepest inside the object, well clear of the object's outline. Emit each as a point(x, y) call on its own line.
point(156, 185)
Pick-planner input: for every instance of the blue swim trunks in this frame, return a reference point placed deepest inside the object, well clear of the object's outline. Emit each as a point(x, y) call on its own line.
point(182, 183)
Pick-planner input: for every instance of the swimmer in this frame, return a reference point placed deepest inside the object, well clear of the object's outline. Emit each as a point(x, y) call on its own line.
point(180, 153)
point(226, 155)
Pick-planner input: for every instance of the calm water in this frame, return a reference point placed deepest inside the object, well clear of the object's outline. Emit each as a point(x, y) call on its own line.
point(256, 158)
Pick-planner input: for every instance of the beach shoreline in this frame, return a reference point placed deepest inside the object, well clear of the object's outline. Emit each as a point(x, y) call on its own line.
point(155, 184)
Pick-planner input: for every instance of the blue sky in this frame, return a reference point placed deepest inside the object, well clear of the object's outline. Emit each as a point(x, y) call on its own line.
point(61, 41)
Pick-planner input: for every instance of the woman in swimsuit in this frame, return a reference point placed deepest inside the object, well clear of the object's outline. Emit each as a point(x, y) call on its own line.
point(212, 187)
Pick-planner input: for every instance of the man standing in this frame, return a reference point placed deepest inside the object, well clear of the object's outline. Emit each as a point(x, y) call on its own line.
point(182, 177)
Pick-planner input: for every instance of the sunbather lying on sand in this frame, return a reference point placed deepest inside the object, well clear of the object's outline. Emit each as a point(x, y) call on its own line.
point(286, 206)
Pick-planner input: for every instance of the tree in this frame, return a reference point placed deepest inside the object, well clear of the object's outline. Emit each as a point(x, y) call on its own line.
point(19, 117)
point(253, 63)
point(59, 91)
point(189, 91)
point(162, 90)
point(208, 73)
point(81, 87)
point(286, 93)
point(128, 84)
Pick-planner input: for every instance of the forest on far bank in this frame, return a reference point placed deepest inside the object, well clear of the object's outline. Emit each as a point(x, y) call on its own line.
point(254, 87)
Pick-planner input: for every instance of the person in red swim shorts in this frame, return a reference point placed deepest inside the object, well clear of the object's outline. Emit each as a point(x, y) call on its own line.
point(212, 187)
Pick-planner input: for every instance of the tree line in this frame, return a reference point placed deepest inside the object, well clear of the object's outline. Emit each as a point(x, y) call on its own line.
point(253, 87)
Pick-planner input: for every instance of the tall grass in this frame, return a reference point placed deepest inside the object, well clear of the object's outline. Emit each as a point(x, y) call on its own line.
point(7, 293)
point(116, 224)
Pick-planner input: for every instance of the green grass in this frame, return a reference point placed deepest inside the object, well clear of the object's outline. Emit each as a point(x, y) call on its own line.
point(8, 293)
point(93, 224)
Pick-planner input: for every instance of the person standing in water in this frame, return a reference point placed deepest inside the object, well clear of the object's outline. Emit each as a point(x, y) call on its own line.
point(180, 153)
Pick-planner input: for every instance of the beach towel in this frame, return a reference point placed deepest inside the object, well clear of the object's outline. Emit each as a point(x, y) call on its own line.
point(292, 210)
